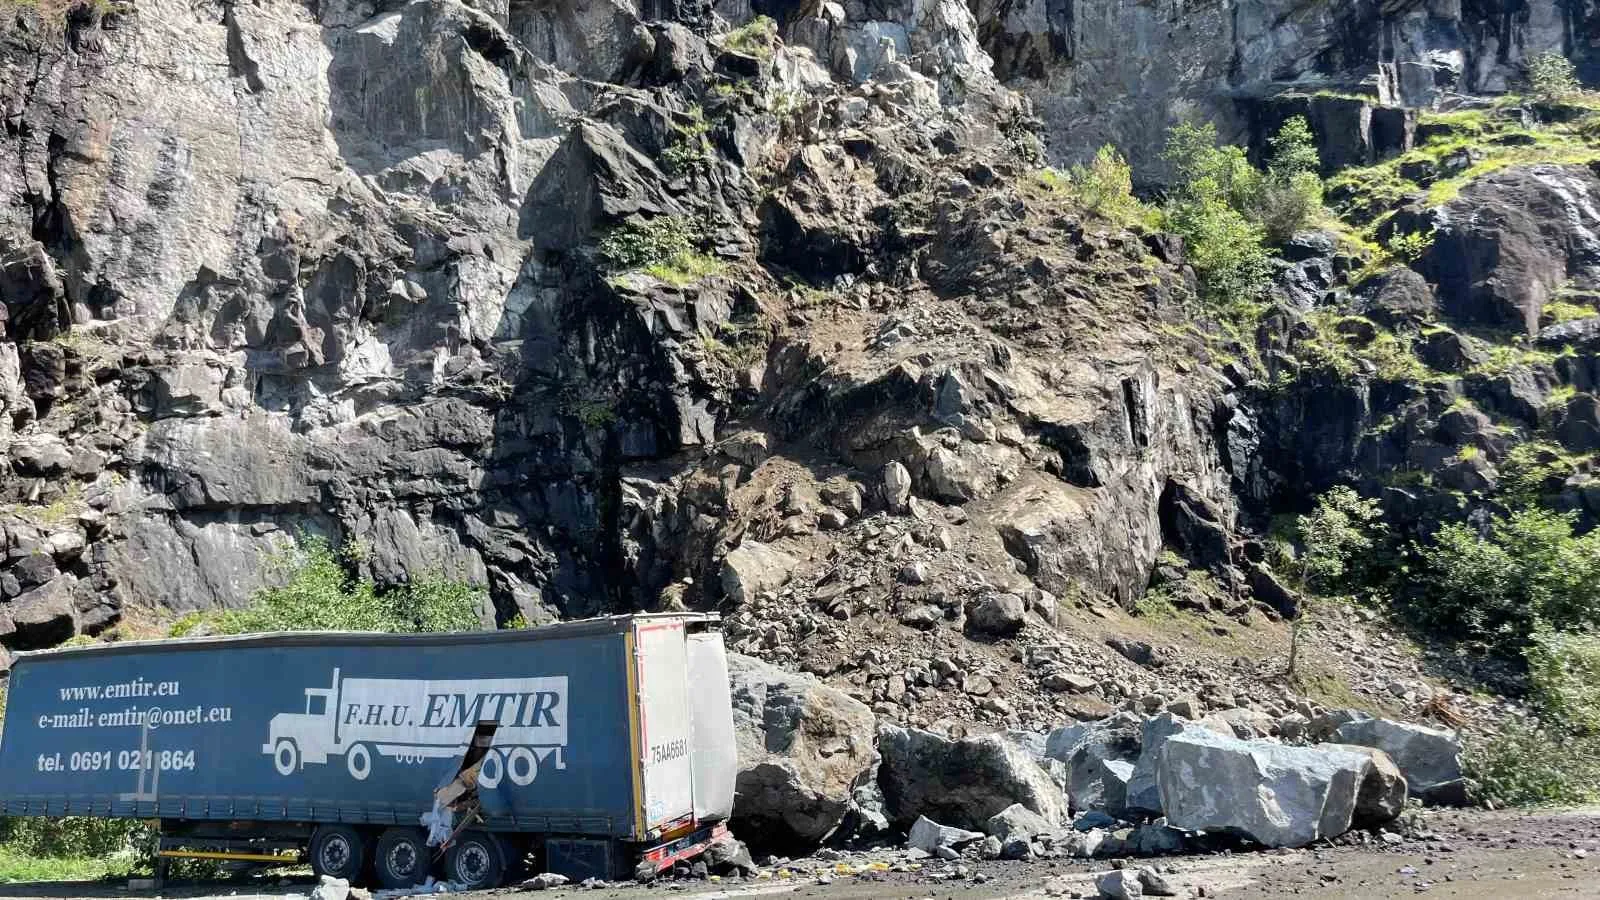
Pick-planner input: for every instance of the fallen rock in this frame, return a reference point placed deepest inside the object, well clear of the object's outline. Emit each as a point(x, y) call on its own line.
point(1017, 820)
point(754, 567)
point(1120, 884)
point(1247, 724)
point(330, 888)
point(1276, 795)
point(1086, 749)
point(802, 748)
point(928, 836)
point(1382, 795)
point(964, 782)
point(729, 854)
point(896, 487)
point(1143, 794)
point(998, 614)
point(1430, 759)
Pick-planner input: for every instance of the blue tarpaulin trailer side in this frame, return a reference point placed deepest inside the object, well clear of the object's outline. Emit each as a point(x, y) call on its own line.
point(590, 721)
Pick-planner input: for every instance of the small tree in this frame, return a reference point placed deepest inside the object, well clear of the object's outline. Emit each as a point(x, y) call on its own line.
point(1291, 194)
point(1551, 77)
point(1342, 525)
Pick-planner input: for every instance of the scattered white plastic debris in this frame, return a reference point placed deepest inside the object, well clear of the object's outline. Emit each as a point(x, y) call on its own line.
point(427, 887)
point(437, 821)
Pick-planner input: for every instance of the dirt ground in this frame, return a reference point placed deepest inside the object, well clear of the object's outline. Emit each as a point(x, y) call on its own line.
point(1474, 854)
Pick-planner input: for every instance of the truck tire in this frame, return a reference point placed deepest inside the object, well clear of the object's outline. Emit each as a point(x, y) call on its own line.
point(522, 767)
point(358, 759)
point(338, 851)
point(477, 861)
point(402, 858)
point(286, 756)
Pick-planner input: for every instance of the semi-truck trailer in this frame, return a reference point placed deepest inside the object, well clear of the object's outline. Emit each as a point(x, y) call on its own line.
point(604, 747)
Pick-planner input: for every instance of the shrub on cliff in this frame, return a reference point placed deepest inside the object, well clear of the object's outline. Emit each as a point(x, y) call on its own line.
point(1216, 184)
point(1527, 572)
point(1552, 77)
point(1291, 193)
point(1105, 187)
point(319, 594)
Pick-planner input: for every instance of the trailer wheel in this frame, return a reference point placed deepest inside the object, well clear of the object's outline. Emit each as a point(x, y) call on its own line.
point(476, 861)
point(402, 857)
point(522, 767)
point(338, 851)
point(359, 761)
point(491, 770)
point(286, 756)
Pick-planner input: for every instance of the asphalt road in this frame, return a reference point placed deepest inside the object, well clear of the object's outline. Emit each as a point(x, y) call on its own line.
point(1475, 854)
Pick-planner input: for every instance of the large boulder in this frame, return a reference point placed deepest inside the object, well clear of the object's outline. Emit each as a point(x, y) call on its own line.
point(1085, 749)
point(752, 568)
point(1430, 759)
point(1017, 820)
point(997, 614)
point(803, 747)
point(1382, 796)
point(1511, 240)
point(963, 782)
point(1143, 794)
point(928, 836)
point(1277, 795)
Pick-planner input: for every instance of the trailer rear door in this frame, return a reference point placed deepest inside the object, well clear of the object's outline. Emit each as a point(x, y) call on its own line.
point(664, 720)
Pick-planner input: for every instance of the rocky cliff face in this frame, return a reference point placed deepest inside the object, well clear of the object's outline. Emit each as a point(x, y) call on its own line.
point(362, 271)
point(1118, 72)
point(282, 269)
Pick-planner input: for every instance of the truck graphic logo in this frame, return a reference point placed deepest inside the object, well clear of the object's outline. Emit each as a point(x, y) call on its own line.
point(411, 720)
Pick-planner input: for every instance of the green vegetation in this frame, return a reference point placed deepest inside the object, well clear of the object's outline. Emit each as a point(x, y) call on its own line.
point(756, 37)
point(1527, 470)
point(1411, 246)
point(1227, 211)
point(319, 594)
point(664, 248)
point(1527, 764)
point(1564, 678)
point(690, 145)
point(1353, 345)
point(1105, 188)
point(1552, 77)
point(1340, 526)
point(74, 848)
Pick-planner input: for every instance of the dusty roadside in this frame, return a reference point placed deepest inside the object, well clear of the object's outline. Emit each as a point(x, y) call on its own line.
point(1474, 854)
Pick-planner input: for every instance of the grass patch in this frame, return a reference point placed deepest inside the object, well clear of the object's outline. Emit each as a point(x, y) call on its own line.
point(1335, 344)
point(756, 37)
point(686, 268)
point(18, 867)
point(1504, 358)
point(665, 248)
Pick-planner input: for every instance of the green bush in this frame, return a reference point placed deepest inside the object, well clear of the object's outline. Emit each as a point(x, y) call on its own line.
point(1411, 246)
point(665, 247)
point(1529, 572)
point(754, 38)
point(1105, 187)
point(1226, 249)
point(318, 594)
point(1564, 679)
point(1217, 185)
point(1552, 77)
point(1290, 196)
point(1527, 765)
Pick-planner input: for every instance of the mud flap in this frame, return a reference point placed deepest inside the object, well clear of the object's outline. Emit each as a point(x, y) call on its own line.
point(655, 860)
